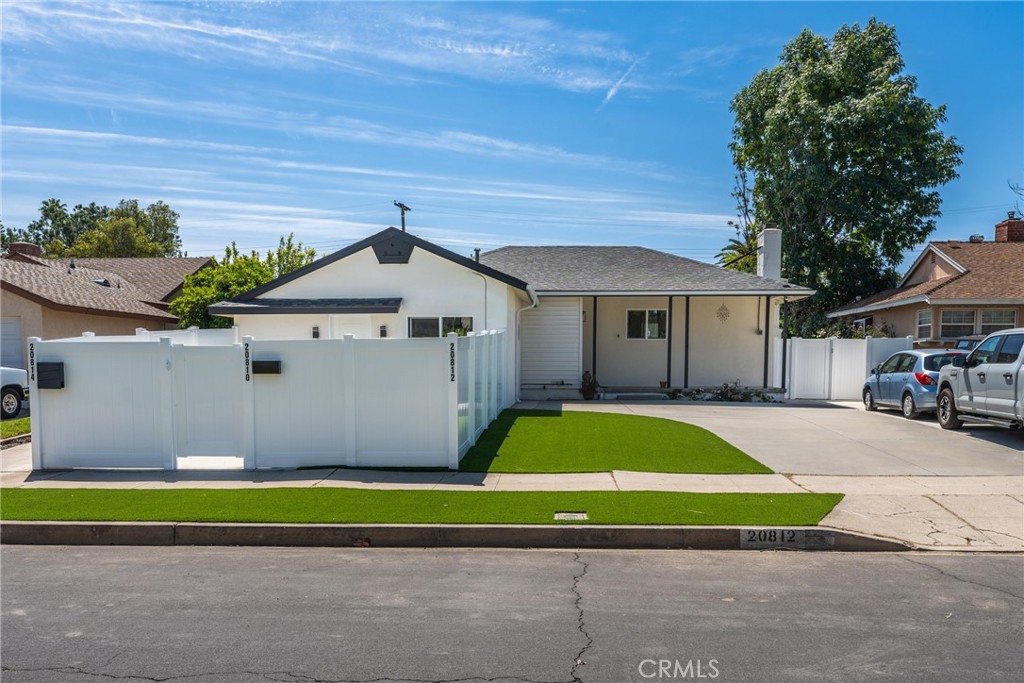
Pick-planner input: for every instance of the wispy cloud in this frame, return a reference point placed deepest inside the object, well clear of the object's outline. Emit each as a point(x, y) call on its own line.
point(426, 41)
point(313, 125)
point(614, 90)
point(87, 136)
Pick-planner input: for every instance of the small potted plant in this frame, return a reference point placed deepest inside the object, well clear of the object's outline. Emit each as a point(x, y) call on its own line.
point(589, 386)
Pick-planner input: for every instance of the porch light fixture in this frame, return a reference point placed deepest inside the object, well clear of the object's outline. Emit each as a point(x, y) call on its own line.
point(316, 332)
point(383, 331)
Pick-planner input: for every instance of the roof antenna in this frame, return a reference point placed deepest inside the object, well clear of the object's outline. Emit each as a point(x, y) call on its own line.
point(403, 208)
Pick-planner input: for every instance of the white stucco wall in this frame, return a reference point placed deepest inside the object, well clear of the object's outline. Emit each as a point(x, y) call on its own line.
point(629, 362)
point(428, 285)
point(727, 351)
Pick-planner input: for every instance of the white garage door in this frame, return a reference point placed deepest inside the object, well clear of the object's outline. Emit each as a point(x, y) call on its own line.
point(10, 343)
point(551, 343)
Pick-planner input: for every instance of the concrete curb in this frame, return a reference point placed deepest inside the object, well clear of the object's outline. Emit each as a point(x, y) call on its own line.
point(441, 536)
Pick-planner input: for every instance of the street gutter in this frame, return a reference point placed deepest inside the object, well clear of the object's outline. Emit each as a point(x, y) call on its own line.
point(443, 536)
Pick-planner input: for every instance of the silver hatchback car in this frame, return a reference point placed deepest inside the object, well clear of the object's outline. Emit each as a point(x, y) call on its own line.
point(907, 380)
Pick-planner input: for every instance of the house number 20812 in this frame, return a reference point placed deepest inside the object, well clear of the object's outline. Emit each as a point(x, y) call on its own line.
point(451, 361)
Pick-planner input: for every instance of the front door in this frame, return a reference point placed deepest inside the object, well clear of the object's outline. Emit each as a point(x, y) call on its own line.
point(357, 325)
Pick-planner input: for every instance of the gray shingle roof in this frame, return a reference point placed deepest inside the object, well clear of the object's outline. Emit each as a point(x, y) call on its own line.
point(624, 269)
point(77, 291)
point(155, 278)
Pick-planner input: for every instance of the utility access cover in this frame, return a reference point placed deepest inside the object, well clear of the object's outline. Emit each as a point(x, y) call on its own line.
point(570, 516)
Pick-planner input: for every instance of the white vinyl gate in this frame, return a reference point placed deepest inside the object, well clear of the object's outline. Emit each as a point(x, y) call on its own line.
point(168, 402)
point(833, 369)
point(207, 409)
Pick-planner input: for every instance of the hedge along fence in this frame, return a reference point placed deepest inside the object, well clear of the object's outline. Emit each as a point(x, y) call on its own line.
point(146, 401)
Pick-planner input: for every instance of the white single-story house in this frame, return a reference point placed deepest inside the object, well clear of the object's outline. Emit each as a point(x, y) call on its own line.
point(636, 318)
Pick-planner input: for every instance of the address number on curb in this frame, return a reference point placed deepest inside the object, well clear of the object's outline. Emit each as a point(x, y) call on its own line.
point(800, 539)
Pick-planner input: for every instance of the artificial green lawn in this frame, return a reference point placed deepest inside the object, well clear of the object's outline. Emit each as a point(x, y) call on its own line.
point(556, 441)
point(313, 506)
point(9, 428)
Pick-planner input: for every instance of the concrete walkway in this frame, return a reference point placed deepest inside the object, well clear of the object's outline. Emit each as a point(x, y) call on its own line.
point(903, 479)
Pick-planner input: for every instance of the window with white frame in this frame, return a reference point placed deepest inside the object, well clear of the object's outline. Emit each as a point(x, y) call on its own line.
point(993, 320)
point(924, 324)
point(957, 322)
point(647, 324)
point(439, 326)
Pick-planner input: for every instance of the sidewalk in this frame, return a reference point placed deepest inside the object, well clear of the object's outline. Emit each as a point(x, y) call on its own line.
point(976, 513)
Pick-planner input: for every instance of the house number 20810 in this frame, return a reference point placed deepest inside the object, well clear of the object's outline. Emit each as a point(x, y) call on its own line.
point(246, 362)
point(451, 360)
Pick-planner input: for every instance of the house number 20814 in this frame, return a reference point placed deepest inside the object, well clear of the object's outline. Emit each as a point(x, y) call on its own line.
point(451, 361)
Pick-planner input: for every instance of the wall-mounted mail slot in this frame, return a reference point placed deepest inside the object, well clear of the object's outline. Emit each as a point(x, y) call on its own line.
point(266, 367)
point(50, 375)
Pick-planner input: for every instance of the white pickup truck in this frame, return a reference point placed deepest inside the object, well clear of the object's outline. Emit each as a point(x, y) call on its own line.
point(985, 386)
point(14, 388)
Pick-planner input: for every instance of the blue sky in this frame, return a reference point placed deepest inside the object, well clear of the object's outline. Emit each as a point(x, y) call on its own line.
point(521, 123)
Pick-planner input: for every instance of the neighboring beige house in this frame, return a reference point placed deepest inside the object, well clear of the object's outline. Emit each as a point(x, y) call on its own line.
point(636, 318)
point(954, 289)
point(55, 298)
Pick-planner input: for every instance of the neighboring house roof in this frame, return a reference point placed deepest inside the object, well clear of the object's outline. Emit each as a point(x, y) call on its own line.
point(632, 270)
point(157, 279)
point(79, 291)
point(389, 305)
point(989, 273)
point(393, 246)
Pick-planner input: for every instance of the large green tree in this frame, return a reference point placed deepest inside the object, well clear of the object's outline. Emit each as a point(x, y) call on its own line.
point(93, 230)
point(846, 158)
point(234, 274)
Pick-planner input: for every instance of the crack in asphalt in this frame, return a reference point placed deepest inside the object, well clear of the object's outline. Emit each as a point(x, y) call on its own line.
point(963, 580)
point(274, 676)
point(123, 677)
point(580, 624)
point(293, 678)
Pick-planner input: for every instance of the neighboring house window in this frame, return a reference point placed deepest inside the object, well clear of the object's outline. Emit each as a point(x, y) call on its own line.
point(440, 326)
point(647, 324)
point(924, 324)
point(957, 323)
point(995, 320)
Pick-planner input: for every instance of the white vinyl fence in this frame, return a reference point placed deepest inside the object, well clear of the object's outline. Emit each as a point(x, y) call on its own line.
point(151, 400)
point(831, 368)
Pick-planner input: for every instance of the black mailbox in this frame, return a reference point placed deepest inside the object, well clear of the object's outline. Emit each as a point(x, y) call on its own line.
point(50, 374)
point(266, 367)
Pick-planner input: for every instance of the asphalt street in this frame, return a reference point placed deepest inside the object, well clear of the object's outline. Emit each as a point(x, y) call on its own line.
point(201, 615)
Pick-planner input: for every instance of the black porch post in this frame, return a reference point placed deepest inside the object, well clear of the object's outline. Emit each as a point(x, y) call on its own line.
point(593, 341)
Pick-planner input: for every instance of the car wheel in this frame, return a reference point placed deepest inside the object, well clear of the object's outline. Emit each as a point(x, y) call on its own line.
point(10, 403)
point(949, 416)
point(907, 406)
point(869, 401)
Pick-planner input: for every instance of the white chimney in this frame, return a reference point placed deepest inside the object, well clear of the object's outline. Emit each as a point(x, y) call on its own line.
point(769, 253)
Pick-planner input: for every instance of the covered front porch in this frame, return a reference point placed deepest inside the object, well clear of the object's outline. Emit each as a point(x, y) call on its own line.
point(648, 343)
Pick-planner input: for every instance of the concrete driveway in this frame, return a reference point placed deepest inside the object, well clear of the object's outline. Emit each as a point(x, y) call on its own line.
point(843, 439)
point(903, 479)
